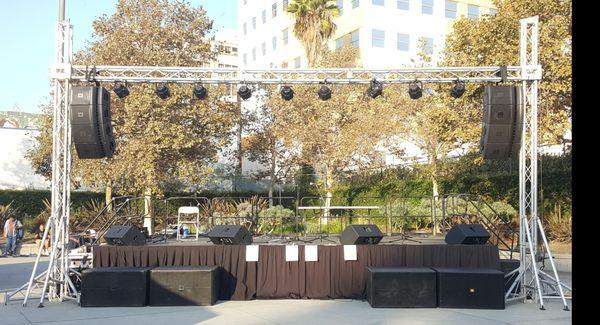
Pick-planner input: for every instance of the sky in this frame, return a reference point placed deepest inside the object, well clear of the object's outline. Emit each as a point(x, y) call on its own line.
point(27, 42)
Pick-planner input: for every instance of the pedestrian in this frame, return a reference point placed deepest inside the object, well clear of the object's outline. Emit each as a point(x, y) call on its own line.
point(11, 232)
point(39, 233)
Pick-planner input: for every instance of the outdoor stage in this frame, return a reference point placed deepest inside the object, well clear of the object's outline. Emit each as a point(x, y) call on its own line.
point(331, 277)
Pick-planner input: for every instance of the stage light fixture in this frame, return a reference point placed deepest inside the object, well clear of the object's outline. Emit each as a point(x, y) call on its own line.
point(200, 92)
point(121, 90)
point(244, 92)
point(162, 91)
point(415, 90)
point(458, 90)
point(287, 93)
point(324, 93)
point(376, 89)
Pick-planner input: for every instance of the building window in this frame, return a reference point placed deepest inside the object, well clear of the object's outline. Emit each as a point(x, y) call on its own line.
point(284, 64)
point(402, 4)
point(339, 43)
point(340, 6)
point(254, 54)
point(378, 38)
point(493, 12)
point(427, 7)
point(378, 2)
point(285, 36)
point(245, 29)
point(245, 58)
point(355, 3)
point(274, 41)
point(245, 2)
point(274, 9)
point(253, 22)
point(403, 42)
point(263, 48)
point(473, 12)
point(428, 45)
point(285, 5)
point(450, 9)
point(264, 16)
point(297, 62)
point(354, 38)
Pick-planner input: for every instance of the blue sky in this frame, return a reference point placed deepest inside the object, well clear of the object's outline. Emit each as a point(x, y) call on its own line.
point(27, 38)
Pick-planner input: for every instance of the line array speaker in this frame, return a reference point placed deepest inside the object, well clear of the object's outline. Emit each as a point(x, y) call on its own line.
point(91, 127)
point(502, 122)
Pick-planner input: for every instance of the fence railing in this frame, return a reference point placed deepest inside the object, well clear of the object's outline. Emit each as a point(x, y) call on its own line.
point(278, 217)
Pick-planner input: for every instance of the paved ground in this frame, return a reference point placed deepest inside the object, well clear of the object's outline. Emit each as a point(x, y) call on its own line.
point(15, 271)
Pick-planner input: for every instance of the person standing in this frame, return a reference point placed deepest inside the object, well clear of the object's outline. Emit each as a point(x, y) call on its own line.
point(10, 232)
point(38, 239)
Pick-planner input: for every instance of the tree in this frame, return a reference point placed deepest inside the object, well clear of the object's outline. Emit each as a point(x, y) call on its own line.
point(158, 141)
point(313, 25)
point(263, 146)
point(494, 40)
point(339, 135)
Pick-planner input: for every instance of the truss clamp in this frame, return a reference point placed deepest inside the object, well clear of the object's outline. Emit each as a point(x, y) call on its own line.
point(532, 72)
point(61, 71)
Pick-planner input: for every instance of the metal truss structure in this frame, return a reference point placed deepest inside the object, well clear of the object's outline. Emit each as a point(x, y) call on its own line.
point(532, 283)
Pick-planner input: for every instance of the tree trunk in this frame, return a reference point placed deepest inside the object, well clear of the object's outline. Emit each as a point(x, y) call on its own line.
point(436, 193)
point(108, 197)
point(272, 174)
point(329, 194)
point(148, 211)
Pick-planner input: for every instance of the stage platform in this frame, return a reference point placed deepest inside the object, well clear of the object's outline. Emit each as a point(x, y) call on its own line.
point(330, 277)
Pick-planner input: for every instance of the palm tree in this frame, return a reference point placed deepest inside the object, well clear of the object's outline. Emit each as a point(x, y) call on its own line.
point(313, 24)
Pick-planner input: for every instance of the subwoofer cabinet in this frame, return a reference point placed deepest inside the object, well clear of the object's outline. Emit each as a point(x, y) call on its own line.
point(114, 287)
point(184, 285)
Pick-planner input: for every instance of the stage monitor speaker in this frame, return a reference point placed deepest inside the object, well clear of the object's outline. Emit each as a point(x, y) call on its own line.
point(502, 122)
point(401, 287)
point(230, 235)
point(125, 236)
point(184, 286)
point(114, 287)
point(361, 235)
point(467, 234)
point(470, 288)
point(91, 127)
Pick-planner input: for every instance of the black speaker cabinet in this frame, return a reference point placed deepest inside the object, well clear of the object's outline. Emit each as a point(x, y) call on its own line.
point(502, 122)
point(91, 126)
point(360, 235)
point(114, 287)
point(184, 286)
point(125, 236)
point(401, 287)
point(230, 235)
point(470, 288)
point(467, 234)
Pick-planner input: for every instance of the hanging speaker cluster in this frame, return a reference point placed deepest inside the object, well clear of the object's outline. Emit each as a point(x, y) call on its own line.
point(502, 122)
point(91, 127)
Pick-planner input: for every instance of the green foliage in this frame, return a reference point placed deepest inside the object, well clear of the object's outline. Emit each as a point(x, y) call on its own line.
point(30, 203)
point(271, 218)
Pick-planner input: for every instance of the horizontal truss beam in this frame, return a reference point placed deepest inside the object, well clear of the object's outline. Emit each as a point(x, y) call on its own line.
point(145, 74)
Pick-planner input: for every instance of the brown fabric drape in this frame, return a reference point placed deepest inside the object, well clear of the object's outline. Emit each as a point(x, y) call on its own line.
point(272, 277)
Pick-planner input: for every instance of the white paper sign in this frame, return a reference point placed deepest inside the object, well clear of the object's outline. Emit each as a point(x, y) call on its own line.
point(350, 253)
point(251, 253)
point(291, 253)
point(311, 253)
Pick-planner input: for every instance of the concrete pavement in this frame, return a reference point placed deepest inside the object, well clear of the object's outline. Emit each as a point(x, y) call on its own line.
point(15, 271)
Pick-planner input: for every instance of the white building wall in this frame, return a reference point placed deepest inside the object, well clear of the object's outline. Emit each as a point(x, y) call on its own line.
point(15, 170)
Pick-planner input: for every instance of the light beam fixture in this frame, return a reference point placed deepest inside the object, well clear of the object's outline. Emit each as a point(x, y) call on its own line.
point(244, 92)
point(458, 90)
point(287, 93)
point(200, 92)
point(415, 89)
point(162, 91)
point(324, 92)
point(121, 89)
point(376, 89)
